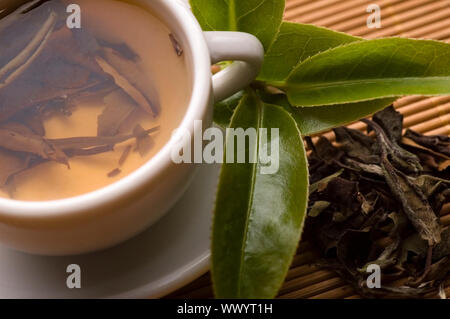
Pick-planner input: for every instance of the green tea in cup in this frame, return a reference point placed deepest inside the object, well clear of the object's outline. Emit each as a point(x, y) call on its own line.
point(89, 92)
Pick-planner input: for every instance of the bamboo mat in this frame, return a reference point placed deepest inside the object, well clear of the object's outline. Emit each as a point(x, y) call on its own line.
point(428, 19)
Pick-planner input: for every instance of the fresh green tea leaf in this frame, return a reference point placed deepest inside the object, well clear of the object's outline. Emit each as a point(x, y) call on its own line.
point(368, 70)
point(224, 110)
point(259, 218)
point(314, 120)
point(262, 18)
point(296, 42)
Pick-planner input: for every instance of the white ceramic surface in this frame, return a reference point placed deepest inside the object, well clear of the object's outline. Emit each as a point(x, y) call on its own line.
point(166, 257)
point(110, 215)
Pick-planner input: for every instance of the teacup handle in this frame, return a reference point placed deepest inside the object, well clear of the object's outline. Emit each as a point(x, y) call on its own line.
point(241, 47)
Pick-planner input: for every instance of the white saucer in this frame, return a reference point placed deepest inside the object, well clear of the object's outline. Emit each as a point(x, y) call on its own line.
point(166, 257)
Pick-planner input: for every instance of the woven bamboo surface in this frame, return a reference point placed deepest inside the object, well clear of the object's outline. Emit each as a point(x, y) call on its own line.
point(428, 19)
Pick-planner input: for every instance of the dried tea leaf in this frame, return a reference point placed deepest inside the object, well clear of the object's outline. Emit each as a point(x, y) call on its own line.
point(400, 158)
point(343, 193)
point(323, 184)
point(429, 184)
point(366, 168)
point(414, 204)
point(368, 202)
point(442, 294)
point(414, 244)
point(403, 292)
point(443, 248)
point(401, 224)
point(387, 258)
point(437, 143)
point(439, 270)
point(409, 142)
point(318, 208)
point(394, 204)
point(353, 248)
point(391, 122)
point(444, 165)
point(324, 149)
point(357, 145)
point(119, 106)
point(440, 199)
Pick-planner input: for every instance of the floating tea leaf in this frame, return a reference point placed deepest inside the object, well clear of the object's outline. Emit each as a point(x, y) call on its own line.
point(59, 72)
point(18, 138)
point(13, 64)
point(176, 45)
point(119, 106)
point(121, 48)
point(10, 165)
point(95, 141)
point(8, 7)
point(144, 142)
point(128, 76)
point(34, 121)
point(114, 173)
point(125, 154)
point(90, 151)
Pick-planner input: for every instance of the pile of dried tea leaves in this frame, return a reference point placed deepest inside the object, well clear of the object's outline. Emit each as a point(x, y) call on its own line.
point(377, 198)
point(45, 69)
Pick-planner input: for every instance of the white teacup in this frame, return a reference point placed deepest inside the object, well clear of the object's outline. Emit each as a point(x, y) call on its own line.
point(110, 215)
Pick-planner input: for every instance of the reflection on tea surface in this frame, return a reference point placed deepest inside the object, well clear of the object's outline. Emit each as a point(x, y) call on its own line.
point(83, 107)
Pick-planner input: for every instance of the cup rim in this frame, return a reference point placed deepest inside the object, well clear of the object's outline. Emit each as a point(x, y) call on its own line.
point(197, 109)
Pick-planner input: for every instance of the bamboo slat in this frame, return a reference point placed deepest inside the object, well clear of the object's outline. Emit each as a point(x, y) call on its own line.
point(430, 115)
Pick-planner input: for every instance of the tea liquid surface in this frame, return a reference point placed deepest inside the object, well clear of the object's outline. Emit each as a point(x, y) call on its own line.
point(82, 108)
